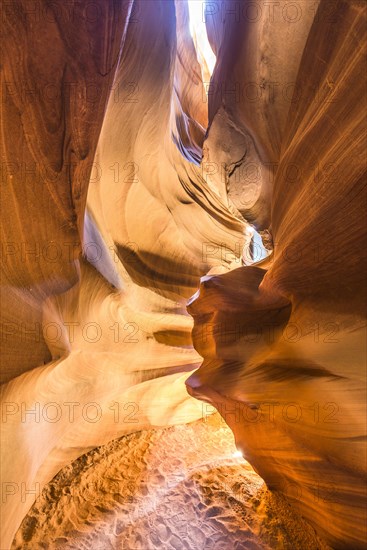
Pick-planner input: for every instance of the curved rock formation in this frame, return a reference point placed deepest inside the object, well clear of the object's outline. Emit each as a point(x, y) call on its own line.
point(115, 336)
point(127, 177)
point(284, 345)
point(251, 94)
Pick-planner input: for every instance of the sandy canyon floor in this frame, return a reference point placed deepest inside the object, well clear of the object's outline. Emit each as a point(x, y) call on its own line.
point(181, 488)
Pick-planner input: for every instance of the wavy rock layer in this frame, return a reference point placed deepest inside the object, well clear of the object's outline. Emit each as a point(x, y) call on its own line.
point(284, 345)
point(97, 341)
point(104, 105)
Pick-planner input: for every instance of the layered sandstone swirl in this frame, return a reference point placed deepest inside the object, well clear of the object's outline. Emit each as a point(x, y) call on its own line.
point(183, 234)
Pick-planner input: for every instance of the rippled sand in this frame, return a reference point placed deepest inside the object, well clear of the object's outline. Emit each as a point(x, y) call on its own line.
point(184, 487)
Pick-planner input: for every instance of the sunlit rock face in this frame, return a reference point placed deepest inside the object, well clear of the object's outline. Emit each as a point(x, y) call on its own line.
point(250, 96)
point(126, 179)
point(97, 340)
point(284, 344)
point(53, 102)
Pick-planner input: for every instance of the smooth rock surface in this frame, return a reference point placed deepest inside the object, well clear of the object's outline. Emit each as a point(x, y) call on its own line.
point(127, 179)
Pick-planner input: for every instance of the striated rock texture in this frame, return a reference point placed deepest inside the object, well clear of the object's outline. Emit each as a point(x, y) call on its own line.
point(284, 345)
point(250, 95)
point(127, 177)
point(97, 340)
point(58, 68)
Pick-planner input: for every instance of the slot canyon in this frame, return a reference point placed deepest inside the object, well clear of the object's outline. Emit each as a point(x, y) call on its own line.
point(183, 274)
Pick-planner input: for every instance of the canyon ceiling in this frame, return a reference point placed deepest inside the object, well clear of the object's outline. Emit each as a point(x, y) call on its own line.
point(175, 242)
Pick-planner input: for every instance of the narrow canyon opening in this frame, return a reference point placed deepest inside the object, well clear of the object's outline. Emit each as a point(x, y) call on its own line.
point(183, 313)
